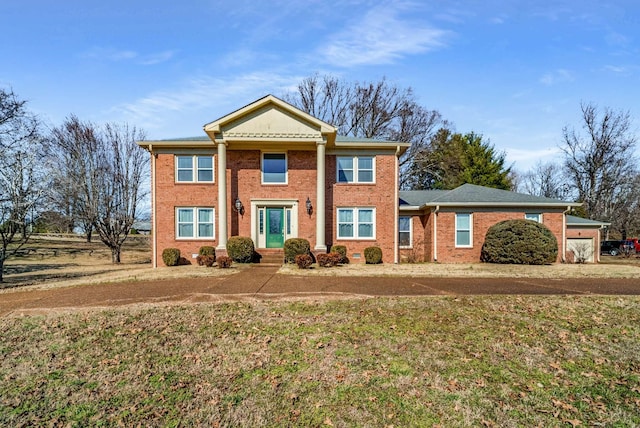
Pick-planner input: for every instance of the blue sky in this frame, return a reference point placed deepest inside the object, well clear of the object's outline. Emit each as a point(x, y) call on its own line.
point(514, 71)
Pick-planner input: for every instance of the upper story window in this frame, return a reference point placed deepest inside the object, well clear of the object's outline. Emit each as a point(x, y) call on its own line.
point(274, 168)
point(355, 169)
point(534, 217)
point(464, 230)
point(404, 232)
point(194, 169)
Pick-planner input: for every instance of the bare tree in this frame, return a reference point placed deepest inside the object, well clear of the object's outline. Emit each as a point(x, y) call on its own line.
point(21, 184)
point(104, 170)
point(375, 110)
point(545, 180)
point(599, 160)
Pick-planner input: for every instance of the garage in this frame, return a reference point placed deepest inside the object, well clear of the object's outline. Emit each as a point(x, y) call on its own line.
point(583, 249)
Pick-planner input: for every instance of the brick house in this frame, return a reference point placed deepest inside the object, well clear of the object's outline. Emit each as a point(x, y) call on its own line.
point(271, 172)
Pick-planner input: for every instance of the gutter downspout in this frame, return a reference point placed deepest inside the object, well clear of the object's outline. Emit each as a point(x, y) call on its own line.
point(564, 235)
point(154, 216)
point(396, 243)
point(435, 233)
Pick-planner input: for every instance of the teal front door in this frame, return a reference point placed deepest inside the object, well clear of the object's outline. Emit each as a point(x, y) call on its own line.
point(275, 227)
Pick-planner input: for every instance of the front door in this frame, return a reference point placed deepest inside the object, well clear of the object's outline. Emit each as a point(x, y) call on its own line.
point(275, 227)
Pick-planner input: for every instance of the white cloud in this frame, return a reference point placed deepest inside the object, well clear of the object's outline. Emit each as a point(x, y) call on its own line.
point(557, 76)
point(117, 55)
point(199, 100)
point(525, 159)
point(381, 37)
point(156, 58)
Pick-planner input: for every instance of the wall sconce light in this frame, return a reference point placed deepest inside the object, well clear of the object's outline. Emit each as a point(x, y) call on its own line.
point(238, 206)
point(308, 205)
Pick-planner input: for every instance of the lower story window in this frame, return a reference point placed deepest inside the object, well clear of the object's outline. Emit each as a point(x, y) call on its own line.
point(356, 223)
point(194, 222)
point(404, 231)
point(463, 230)
point(533, 217)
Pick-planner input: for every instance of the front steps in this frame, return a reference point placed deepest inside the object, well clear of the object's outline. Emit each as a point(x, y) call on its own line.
point(270, 256)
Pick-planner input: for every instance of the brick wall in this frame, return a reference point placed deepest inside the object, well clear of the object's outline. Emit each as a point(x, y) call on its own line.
point(482, 220)
point(380, 195)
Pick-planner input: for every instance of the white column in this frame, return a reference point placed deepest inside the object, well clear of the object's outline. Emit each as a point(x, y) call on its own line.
point(222, 196)
point(320, 208)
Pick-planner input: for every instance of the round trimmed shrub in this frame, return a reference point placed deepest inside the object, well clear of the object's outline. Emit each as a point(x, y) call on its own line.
point(523, 242)
point(240, 249)
point(224, 262)
point(207, 250)
point(342, 250)
point(373, 255)
point(294, 247)
point(171, 256)
point(304, 261)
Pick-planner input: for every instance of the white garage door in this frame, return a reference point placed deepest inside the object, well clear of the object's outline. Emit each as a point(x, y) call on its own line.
point(582, 248)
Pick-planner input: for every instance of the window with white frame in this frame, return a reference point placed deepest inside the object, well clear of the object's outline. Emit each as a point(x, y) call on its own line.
point(463, 230)
point(194, 169)
point(405, 229)
point(533, 217)
point(355, 169)
point(274, 168)
point(194, 222)
point(356, 223)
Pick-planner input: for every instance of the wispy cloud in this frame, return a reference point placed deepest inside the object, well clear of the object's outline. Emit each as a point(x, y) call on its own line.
point(381, 37)
point(118, 55)
point(560, 75)
point(161, 110)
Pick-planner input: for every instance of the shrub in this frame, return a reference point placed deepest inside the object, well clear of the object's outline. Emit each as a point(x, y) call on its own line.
point(224, 262)
point(294, 247)
point(342, 250)
point(240, 249)
point(524, 242)
point(206, 260)
point(171, 256)
point(326, 260)
point(207, 250)
point(373, 255)
point(304, 261)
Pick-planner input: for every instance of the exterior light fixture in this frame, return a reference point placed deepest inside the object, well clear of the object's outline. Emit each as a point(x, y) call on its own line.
point(238, 206)
point(308, 205)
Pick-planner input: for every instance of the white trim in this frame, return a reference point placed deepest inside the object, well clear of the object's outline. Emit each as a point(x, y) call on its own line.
point(540, 218)
point(194, 169)
point(355, 211)
point(258, 205)
point(410, 232)
point(455, 236)
point(154, 213)
point(356, 169)
point(286, 165)
point(195, 223)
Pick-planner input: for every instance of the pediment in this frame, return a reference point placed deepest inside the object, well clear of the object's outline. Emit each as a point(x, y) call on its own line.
point(269, 119)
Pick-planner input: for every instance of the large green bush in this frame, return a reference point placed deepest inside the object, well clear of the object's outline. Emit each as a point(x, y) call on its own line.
point(342, 250)
point(171, 256)
point(523, 242)
point(295, 246)
point(240, 249)
point(207, 250)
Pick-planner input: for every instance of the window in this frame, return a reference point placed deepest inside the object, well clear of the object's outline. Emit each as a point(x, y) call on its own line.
point(463, 230)
point(355, 169)
point(194, 169)
point(274, 168)
point(533, 216)
point(194, 223)
point(404, 232)
point(356, 223)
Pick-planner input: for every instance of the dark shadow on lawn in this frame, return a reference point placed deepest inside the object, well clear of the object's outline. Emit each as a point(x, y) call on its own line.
point(36, 278)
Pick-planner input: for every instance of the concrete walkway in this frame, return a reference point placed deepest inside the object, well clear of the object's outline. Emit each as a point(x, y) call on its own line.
point(263, 282)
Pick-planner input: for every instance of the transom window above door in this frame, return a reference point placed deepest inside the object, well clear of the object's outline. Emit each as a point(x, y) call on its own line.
point(194, 169)
point(274, 168)
point(355, 169)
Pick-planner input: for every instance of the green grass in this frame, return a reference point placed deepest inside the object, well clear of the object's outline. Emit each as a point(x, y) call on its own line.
point(472, 361)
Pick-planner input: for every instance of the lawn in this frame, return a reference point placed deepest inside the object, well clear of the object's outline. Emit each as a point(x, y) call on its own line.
point(435, 361)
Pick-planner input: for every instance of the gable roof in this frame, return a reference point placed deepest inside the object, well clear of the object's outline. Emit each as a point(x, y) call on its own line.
point(585, 222)
point(476, 196)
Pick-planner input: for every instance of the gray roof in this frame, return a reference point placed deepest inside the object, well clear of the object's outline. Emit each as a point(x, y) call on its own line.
point(473, 195)
point(339, 139)
point(585, 222)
